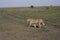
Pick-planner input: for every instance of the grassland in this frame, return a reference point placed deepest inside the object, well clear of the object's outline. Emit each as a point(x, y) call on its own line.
point(13, 25)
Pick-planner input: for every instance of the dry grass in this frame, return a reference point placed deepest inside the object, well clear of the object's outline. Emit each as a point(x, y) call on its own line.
point(13, 24)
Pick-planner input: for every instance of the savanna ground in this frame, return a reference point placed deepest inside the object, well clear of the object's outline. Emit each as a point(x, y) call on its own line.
point(13, 24)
